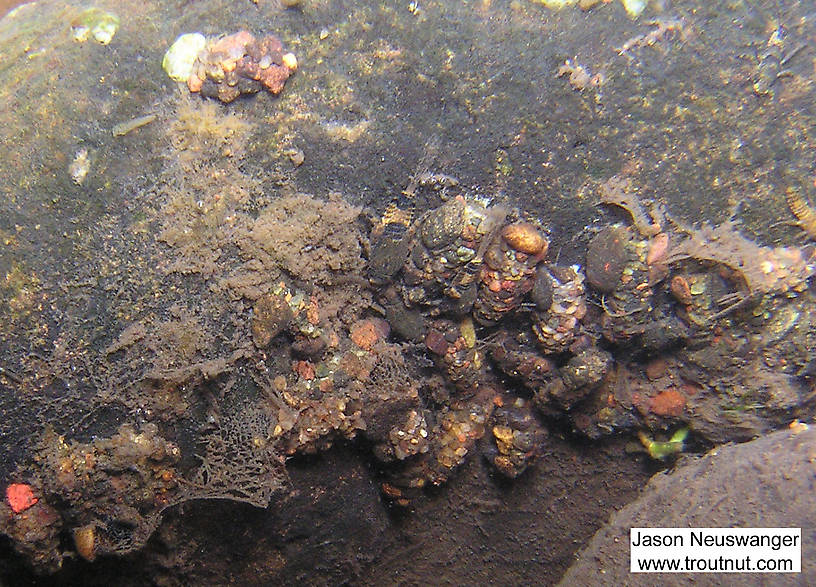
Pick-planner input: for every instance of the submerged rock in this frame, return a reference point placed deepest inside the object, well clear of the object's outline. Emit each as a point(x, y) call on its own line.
point(734, 481)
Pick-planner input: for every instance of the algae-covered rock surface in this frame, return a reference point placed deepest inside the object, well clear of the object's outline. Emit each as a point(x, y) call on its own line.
point(347, 322)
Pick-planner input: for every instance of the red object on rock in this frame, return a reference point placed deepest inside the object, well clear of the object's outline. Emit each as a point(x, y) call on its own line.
point(669, 403)
point(305, 369)
point(20, 497)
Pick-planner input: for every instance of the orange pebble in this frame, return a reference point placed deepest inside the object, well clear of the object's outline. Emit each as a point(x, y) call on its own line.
point(194, 83)
point(365, 333)
point(312, 313)
point(670, 403)
point(20, 497)
point(305, 369)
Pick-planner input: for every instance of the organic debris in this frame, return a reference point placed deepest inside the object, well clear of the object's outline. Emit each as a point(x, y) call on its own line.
point(225, 67)
point(619, 191)
point(765, 270)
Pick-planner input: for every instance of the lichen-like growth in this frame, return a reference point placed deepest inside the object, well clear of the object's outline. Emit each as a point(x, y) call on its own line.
point(240, 462)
